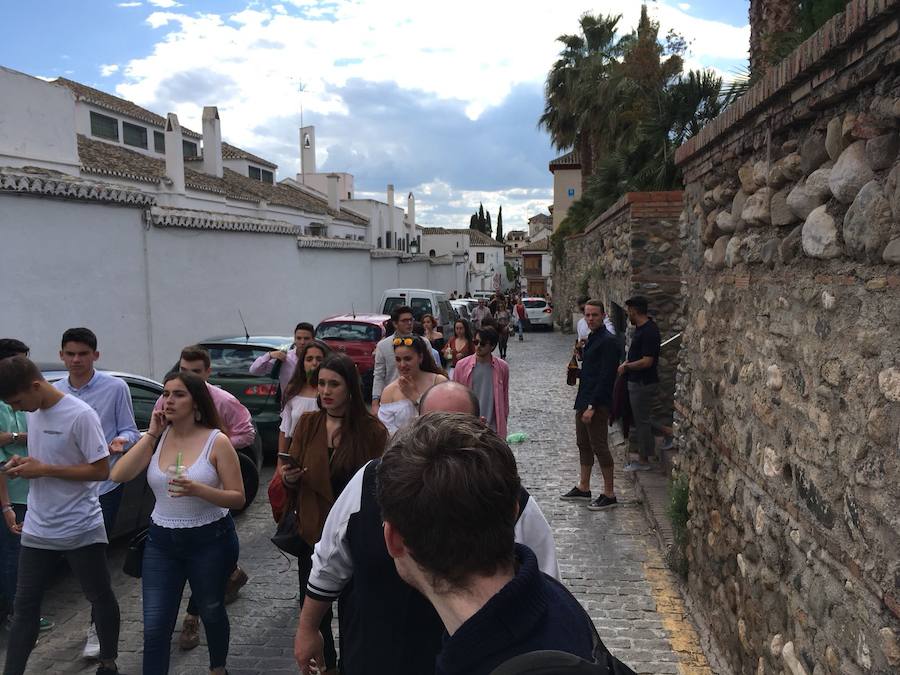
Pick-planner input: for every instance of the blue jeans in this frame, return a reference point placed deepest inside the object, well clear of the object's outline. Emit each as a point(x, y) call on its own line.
point(9, 559)
point(204, 556)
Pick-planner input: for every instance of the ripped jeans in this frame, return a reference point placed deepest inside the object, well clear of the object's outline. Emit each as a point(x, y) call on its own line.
point(205, 556)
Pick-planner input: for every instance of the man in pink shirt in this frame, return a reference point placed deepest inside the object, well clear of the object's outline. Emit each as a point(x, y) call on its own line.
point(488, 377)
point(303, 333)
point(241, 433)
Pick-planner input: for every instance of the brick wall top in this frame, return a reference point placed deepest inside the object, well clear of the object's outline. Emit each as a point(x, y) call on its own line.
point(859, 18)
point(638, 205)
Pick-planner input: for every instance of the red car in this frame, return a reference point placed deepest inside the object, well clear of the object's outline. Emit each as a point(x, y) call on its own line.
point(356, 336)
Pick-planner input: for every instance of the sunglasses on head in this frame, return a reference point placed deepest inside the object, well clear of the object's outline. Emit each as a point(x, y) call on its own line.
point(403, 341)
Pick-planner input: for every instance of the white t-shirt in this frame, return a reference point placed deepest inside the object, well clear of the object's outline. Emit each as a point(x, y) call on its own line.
point(293, 410)
point(67, 434)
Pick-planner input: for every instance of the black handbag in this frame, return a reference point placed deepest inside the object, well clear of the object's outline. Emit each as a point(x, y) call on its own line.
point(134, 556)
point(287, 537)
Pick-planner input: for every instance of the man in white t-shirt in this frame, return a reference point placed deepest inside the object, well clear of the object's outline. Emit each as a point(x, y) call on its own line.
point(67, 455)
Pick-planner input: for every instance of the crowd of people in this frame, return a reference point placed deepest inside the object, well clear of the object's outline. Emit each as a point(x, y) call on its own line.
point(409, 512)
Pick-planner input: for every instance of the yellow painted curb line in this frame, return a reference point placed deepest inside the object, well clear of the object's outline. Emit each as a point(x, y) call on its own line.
point(681, 633)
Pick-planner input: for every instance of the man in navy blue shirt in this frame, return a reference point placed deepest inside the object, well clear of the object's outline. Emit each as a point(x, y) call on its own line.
point(600, 357)
point(448, 489)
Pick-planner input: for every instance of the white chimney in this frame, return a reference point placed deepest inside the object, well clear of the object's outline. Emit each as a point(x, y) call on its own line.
point(174, 153)
point(212, 141)
point(334, 194)
point(390, 191)
point(411, 210)
point(307, 151)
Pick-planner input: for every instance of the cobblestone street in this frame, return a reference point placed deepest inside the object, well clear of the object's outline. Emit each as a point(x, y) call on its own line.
point(610, 559)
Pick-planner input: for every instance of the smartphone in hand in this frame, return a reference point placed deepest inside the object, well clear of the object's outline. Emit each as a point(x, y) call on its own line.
point(288, 459)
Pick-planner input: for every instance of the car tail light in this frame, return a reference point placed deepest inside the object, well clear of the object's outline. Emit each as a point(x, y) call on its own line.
point(548, 311)
point(261, 390)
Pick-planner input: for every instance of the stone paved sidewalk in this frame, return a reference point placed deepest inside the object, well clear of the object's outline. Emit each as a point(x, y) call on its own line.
point(610, 560)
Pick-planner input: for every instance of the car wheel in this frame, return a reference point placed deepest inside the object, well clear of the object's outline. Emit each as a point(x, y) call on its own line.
point(250, 478)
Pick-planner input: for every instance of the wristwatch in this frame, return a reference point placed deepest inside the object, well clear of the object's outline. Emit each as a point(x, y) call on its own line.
point(15, 437)
point(590, 406)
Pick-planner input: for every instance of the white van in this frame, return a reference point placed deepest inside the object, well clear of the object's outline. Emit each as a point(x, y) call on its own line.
point(422, 301)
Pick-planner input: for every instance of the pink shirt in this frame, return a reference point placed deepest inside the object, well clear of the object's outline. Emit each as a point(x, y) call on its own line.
point(462, 373)
point(264, 364)
point(235, 416)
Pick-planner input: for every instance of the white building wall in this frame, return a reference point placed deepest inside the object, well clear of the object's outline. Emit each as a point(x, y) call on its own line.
point(413, 275)
point(147, 292)
point(442, 278)
point(49, 115)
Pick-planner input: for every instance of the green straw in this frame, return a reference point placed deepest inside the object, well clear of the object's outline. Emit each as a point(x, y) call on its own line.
point(178, 459)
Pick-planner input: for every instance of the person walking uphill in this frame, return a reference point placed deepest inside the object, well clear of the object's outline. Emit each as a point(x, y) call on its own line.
point(488, 377)
point(67, 454)
point(328, 447)
point(195, 476)
point(592, 403)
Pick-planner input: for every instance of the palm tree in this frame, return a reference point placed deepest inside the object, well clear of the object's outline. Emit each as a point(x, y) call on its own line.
point(574, 112)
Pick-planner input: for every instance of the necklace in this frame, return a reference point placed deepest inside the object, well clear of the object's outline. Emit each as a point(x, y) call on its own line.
point(337, 417)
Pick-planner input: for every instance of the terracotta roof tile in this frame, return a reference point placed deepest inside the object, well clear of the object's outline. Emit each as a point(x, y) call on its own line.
point(570, 160)
point(98, 157)
point(539, 245)
point(477, 238)
point(103, 100)
point(231, 152)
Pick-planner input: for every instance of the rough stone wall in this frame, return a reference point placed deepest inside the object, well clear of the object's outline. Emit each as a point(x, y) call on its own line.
point(632, 249)
point(788, 392)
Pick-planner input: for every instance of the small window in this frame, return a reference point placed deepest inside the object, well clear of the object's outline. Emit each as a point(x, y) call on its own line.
point(267, 177)
point(159, 142)
point(135, 135)
point(254, 173)
point(479, 258)
point(387, 240)
point(104, 127)
point(189, 149)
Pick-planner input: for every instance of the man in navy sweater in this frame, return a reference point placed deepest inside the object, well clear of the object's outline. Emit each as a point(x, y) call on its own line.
point(448, 489)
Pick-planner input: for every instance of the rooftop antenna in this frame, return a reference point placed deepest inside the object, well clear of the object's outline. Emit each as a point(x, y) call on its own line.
point(353, 310)
point(244, 324)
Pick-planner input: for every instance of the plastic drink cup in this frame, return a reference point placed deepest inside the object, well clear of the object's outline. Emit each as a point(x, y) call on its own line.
point(175, 471)
point(518, 437)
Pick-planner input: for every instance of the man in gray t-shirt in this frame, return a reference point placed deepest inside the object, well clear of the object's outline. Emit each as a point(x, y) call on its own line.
point(488, 377)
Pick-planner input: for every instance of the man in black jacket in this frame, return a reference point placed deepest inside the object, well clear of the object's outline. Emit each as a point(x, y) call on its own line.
point(592, 403)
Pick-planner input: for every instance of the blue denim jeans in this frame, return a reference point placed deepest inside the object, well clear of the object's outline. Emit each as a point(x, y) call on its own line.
point(9, 559)
point(204, 556)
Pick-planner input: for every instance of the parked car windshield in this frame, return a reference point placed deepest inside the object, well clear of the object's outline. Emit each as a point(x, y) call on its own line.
point(234, 360)
point(534, 304)
point(348, 331)
point(419, 306)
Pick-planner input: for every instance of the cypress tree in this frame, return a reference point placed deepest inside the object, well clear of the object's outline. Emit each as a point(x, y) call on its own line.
point(500, 225)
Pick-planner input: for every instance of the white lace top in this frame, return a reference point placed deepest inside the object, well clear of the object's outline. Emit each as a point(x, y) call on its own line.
point(397, 414)
point(293, 410)
point(178, 512)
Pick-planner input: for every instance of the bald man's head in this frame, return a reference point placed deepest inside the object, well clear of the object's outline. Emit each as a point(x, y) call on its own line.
point(449, 397)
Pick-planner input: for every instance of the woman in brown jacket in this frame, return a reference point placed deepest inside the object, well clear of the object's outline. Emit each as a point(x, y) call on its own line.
point(328, 447)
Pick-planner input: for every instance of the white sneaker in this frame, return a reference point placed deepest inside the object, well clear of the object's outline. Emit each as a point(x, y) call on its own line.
point(92, 646)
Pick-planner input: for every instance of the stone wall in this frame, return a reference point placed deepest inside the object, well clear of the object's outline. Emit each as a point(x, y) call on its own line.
point(632, 249)
point(788, 391)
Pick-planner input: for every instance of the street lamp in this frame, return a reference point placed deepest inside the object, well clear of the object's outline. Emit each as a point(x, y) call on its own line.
point(413, 247)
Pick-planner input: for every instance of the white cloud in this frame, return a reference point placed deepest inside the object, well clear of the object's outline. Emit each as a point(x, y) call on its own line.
point(108, 69)
point(419, 46)
point(683, 6)
point(129, 4)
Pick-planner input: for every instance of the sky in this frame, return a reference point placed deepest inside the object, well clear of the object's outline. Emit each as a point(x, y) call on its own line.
point(440, 99)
